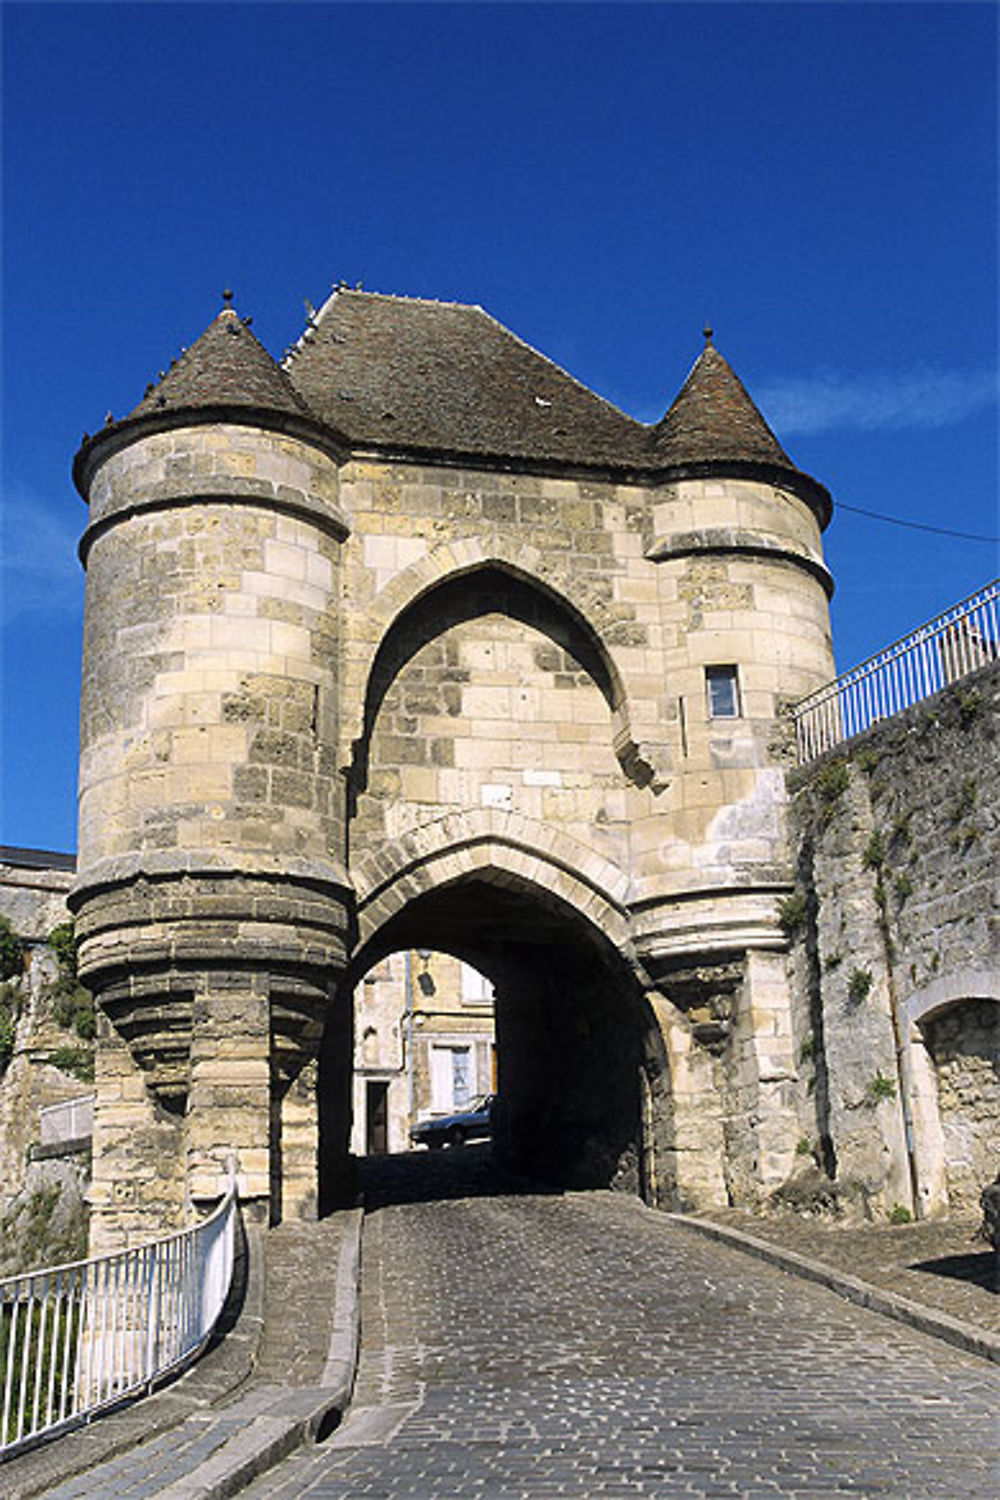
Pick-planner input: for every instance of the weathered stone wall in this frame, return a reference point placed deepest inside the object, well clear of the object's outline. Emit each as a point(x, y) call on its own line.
point(538, 647)
point(33, 896)
point(616, 576)
point(209, 650)
point(741, 580)
point(895, 930)
point(210, 897)
point(492, 713)
point(43, 1070)
point(44, 1223)
point(43, 1216)
point(514, 592)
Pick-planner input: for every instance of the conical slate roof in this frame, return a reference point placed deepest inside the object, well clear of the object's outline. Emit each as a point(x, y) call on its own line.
point(408, 375)
point(713, 420)
point(226, 367)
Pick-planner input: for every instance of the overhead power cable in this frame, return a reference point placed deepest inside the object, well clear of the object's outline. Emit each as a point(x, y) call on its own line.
point(874, 515)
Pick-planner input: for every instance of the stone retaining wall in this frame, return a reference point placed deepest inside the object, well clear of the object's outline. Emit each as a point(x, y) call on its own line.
point(896, 958)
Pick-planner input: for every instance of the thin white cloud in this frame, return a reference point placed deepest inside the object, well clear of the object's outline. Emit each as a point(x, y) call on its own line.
point(868, 402)
point(39, 568)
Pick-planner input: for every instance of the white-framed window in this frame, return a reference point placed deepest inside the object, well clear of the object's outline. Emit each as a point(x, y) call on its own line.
point(723, 692)
point(462, 1081)
point(476, 989)
point(452, 1077)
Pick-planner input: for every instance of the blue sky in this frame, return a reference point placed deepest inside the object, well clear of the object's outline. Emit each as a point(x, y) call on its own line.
point(817, 180)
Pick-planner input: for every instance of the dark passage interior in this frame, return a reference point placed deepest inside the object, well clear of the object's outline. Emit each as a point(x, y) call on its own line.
point(579, 1057)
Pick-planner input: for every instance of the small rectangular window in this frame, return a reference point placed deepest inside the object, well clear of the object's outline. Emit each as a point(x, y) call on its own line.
point(461, 1075)
point(476, 989)
point(723, 693)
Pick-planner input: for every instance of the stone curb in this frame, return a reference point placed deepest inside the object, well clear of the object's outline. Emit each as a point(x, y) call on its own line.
point(938, 1325)
point(290, 1417)
point(217, 1374)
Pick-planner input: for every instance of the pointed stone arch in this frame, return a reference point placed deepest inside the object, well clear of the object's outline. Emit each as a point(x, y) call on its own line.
point(920, 1010)
point(583, 1069)
point(507, 847)
point(597, 621)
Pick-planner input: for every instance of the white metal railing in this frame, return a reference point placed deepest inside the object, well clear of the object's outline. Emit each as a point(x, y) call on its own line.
point(79, 1338)
point(70, 1120)
point(941, 652)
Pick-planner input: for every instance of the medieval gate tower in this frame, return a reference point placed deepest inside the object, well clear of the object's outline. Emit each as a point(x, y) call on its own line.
point(414, 640)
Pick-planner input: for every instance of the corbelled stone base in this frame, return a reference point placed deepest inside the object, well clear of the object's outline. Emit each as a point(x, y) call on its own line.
point(213, 987)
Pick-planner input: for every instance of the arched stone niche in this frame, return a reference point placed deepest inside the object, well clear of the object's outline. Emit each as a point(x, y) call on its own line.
point(952, 1056)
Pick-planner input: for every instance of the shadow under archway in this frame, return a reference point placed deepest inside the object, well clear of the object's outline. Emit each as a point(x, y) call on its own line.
point(582, 1085)
point(433, 1176)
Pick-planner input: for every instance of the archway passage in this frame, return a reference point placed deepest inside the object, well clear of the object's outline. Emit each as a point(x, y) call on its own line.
point(581, 1070)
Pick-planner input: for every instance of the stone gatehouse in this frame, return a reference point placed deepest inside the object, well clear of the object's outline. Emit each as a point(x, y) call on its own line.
point(412, 641)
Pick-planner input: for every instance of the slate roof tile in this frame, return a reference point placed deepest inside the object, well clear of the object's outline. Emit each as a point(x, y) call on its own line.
point(714, 420)
point(411, 375)
point(226, 367)
point(447, 376)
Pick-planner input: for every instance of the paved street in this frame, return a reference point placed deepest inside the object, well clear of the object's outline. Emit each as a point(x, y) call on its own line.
point(530, 1345)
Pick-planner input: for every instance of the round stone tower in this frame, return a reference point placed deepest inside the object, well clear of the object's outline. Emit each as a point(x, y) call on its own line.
point(210, 899)
point(735, 533)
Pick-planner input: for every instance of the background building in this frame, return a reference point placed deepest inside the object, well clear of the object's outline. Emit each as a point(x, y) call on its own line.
point(424, 1045)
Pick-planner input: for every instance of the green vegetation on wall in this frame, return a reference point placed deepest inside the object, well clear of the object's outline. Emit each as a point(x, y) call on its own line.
point(45, 1226)
point(10, 1009)
point(793, 913)
point(11, 951)
point(72, 1004)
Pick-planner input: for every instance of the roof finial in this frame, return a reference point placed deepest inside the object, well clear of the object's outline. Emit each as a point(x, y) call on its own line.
point(227, 296)
point(707, 332)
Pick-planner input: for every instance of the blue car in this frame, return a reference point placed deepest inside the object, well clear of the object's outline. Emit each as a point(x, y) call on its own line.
point(474, 1123)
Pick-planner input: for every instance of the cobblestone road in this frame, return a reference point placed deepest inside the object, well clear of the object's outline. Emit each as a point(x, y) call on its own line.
point(528, 1346)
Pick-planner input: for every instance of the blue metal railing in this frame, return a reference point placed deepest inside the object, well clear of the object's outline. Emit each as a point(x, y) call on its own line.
point(941, 652)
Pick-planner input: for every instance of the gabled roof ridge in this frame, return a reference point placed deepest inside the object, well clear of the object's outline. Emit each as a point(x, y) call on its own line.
point(357, 291)
point(353, 291)
point(450, 377)
point(547, 359)
point(472, 307)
